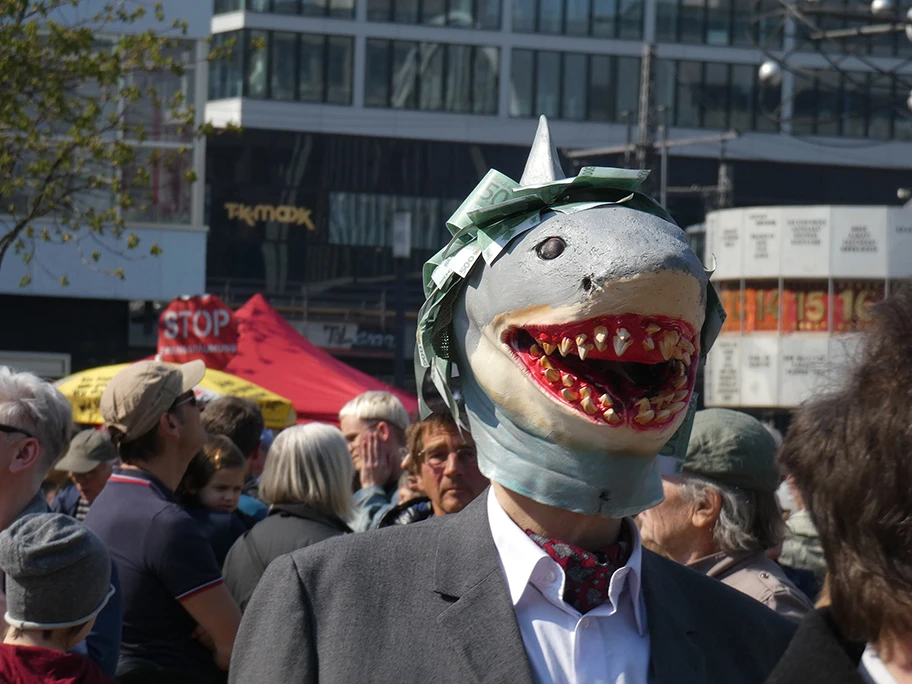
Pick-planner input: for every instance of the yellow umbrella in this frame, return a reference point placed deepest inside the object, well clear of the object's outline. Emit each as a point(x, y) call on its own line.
point(83, 390)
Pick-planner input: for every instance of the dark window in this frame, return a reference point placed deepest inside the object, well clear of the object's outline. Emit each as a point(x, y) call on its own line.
point(549, 16)
point(524, 16)
point(483, 14)
point(604, 18)
point(804, 103)
point(340, 64)
point(577, 17)
point(547, 84)
point(854, 104)
point(573, 102)
point(223, 6)
point(431, 76)
point(742, 96)
point(687, 102)
point(522, 83)
point(667, 20)
point(718, 22)
point(257, 60)
point(880, 122)
point(692, 15)
point(289, 6)
point(376, 73)
point(226, 75)
point(601, 89)
point(628, 85)
point(630, 15)
point(715, 96)
point(282, 53)
point(310, 81)
point(828, 98)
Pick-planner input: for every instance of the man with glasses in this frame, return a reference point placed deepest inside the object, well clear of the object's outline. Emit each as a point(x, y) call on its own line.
point(35, 424)
point(174, 599)
point(444, 459)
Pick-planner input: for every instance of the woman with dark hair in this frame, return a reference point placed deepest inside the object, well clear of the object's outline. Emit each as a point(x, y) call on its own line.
point(210, 491)
point(849, 454)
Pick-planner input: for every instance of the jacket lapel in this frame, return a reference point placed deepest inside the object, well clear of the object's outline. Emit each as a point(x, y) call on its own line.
point(481, 620)
point(675, 655)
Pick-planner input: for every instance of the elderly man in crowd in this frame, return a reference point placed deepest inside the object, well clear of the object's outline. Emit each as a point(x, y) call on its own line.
point(374, 425)
point(445, 461)
point(241, 421)
point(89, 460)
point(35, 423)
point(721, 516)
point(173, 594)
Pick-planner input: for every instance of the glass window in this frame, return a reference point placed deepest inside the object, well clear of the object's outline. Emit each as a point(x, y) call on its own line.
point(404, 76)
point(881, 112)
point(223, 6)
point(342, 9)
point(524, 16)
point(604, 18)
point(687, 102)
point(434, 12)
point(430, 74)
point(376, 73)
point(574, 87)
point(628, 85)
point(226, 76)
point(804, 103)
point(256, 63)
point(459, 78)
point(406, 11)
point(715, 95)
point(854, 99)
point(742, 31)
point(549, 16)
point(742, 96)
point(310, 79)
point(767, 107)
point(577, 17)
point(631, 19)
point(827, 114)
point(665, 87)
point(718, 22)
point(379, 10)
point(460, 13)
point(666, 20)
point(485, 80)
point(600, 98)
point(547, 84)
point(521, 83)
point(339, 69)
point(902, 117)
point(283, 48)
point(257, 5)
point(488, 14)
point(287, 6)
point(690, 27)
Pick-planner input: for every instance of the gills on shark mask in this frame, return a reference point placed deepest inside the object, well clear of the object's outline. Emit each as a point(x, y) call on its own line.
point(577, 316)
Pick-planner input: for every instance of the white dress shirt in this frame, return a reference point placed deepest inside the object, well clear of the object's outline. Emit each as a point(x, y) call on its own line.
point(872, 669)
point(610, 643)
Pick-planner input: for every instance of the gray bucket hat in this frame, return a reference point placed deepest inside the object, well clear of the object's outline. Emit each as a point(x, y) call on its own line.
point(58, 573)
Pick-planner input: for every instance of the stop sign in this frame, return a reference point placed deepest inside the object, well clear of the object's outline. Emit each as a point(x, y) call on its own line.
point(198, 327)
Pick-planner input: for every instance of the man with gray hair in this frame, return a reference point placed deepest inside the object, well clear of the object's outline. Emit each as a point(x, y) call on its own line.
point(35, 425)
point(374, 425)
point(89, 460)
point(721, 516)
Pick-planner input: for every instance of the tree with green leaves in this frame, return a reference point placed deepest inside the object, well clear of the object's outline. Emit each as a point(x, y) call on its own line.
point(95, 126)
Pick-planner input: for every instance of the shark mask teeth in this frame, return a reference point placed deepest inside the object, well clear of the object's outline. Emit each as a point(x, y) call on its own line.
point(620, 370)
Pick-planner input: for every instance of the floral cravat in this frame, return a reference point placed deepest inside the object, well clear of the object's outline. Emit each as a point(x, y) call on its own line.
point(588, 574)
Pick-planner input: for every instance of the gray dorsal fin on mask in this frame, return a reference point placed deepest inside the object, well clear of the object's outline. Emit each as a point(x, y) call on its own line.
point(543, 165)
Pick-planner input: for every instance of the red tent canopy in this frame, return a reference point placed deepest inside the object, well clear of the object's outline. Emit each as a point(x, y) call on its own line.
point(274, 355)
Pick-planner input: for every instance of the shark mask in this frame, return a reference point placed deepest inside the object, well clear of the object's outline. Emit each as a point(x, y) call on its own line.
point(577, 316)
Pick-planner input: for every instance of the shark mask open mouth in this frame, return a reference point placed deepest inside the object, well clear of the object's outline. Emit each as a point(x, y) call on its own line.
point(577, 315)
point(616, 370)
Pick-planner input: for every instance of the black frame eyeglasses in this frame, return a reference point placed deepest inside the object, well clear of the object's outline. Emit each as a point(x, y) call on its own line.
point(188, 398)
point(11, 430)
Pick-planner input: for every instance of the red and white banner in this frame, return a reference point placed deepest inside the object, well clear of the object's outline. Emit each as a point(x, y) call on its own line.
point(198, 327)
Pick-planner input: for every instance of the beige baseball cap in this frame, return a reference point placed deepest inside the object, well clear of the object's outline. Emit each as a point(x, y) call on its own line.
point(87, 449)
point(138, 396)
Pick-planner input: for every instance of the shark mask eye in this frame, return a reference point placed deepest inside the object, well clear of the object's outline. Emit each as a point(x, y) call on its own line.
point(551, 248)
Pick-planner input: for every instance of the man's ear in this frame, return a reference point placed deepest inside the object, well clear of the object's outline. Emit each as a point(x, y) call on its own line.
point(26, 455)
point(707, 509)
point(170, 425)
point(383, 431)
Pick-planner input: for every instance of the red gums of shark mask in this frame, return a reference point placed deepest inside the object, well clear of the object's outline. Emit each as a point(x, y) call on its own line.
point(616, 370)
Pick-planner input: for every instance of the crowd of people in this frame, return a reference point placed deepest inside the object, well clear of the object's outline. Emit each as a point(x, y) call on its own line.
point(183, 526)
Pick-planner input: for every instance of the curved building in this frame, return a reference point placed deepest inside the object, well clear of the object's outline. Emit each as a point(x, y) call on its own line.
point(797, 282)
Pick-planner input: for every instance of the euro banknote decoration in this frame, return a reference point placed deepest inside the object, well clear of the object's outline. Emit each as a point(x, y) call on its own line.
point(577, 316)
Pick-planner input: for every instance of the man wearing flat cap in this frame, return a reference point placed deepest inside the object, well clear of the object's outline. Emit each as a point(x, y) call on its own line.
point(173, 594)
point(721, 516)
point(89, 460)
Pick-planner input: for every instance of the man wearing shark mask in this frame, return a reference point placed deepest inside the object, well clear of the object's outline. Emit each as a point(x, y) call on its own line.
point(577, 316)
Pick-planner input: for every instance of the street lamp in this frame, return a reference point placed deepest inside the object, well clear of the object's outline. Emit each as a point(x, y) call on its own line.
point(883, 9)
point(770, 73)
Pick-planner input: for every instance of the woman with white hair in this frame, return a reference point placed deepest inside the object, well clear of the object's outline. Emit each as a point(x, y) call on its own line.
point(307, 483)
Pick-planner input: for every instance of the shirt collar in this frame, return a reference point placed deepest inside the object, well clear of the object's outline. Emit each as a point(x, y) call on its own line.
point(520, 556)
point(138, 476)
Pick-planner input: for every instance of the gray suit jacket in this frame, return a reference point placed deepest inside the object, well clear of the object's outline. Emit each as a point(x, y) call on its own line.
point(428, 602)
